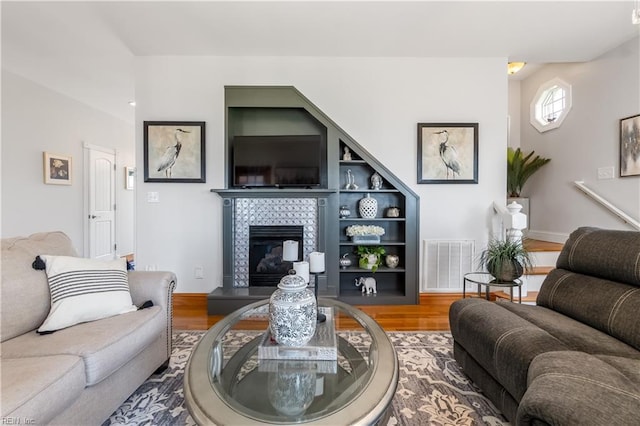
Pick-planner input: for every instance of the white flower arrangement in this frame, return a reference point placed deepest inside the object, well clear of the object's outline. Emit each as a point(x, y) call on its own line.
point(364, 230)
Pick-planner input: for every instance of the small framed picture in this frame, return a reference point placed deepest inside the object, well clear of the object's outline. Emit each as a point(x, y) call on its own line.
point(129, 178)
point(174, 151)
point(57, 169)
point(447, 152)
point(630, 146)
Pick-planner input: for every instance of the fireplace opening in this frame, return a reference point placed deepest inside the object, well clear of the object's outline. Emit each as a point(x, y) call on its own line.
point(266, 267)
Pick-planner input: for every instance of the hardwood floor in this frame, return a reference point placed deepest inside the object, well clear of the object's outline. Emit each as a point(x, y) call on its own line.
point(432, 314)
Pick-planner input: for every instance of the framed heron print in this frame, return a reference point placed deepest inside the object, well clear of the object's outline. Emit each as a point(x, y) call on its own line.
point(174, 151)
point(447, 152)
point(630, 146)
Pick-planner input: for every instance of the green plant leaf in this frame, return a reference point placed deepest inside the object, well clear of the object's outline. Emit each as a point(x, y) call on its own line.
point(379, 251)
point(500, 252)
point(520, 168)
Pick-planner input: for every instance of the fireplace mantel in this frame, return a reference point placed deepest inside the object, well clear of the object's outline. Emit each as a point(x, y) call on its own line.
point(272, 192)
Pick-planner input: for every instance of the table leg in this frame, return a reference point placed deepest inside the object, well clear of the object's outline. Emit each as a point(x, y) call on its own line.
point(464, 288)
point(511, 294)
point(520, 294)
point(488, 289)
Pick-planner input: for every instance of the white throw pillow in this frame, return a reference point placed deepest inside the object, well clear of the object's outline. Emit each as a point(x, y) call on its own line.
point(85, 290)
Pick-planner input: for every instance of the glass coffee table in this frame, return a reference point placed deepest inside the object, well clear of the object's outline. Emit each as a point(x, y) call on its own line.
point(226, 383)
point(488, 280)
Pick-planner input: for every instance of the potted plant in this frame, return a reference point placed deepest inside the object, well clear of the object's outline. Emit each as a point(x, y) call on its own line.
point(370, 257)
point(506, 260)
point(520, 167)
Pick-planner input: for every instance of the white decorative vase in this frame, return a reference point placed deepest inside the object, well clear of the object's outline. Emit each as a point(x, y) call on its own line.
point(292, 312)
point(392, 260)
point(292, 389)
point(368, 207)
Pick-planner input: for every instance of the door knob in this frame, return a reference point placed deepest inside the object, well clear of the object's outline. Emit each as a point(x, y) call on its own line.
point(92, 216)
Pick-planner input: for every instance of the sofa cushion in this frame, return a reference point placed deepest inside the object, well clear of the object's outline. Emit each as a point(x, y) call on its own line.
point(499, 340)
point(104, 345)
point(576, 335)
point(608, 306)
point(39, 388)
point(604, 253)
point(85, 290)
point(25, 292)
point(575, 388)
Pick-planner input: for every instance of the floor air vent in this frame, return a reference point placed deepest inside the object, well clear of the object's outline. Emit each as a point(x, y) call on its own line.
point(445, 263)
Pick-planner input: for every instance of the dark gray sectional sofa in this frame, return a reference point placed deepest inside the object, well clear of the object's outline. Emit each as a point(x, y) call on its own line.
point(574, 359)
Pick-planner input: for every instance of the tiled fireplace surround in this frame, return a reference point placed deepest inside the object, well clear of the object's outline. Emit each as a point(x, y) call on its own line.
point(249, 212)
point(243, 208)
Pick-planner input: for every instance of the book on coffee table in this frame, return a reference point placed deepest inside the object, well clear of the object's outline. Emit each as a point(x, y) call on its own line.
point(322, 346)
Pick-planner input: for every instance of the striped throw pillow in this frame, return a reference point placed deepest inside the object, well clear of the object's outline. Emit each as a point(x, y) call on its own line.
point(85, 290)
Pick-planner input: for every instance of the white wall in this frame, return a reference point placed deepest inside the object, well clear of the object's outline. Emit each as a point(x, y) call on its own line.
point(604, 91)
point(514, 114)
point(37, 119)
point(377, 101)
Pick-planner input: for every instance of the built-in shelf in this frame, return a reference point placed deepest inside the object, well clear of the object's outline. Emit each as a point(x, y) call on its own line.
point(381, 243)
point(394, 285)
point(381, 269)
point(282, 110)
point(375, 219)
point(368, 191)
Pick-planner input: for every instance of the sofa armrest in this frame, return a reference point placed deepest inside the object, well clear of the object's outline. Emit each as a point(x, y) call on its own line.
point(575, 388)
point(156, 286)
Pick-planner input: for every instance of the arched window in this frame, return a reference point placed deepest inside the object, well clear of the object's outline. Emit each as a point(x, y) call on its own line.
point(550, 105)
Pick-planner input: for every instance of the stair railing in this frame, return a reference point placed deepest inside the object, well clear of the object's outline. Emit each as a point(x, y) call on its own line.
point(512, 220)
point(608, 205)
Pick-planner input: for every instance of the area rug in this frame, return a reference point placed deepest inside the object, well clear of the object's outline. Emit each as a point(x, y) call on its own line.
point(432, 390)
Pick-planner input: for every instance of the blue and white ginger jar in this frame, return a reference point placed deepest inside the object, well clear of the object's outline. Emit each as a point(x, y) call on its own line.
point(292, 312)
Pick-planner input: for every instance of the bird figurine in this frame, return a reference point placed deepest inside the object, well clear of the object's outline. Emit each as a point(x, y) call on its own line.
point(448, 155)
point(171, 154)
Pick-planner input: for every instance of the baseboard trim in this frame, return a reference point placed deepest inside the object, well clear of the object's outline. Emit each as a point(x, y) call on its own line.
point(554, 237)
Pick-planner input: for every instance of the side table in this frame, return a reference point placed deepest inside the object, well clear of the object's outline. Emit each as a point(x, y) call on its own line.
point(487, 280)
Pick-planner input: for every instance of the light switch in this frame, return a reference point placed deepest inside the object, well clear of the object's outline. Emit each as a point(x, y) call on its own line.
point(605, 172)
point(153, 197)
point(198, 272)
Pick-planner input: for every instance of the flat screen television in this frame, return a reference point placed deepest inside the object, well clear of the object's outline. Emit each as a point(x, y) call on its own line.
point(279, 161)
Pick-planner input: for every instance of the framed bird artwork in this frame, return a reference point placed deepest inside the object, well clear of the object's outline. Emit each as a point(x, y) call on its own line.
point(447, 152)
point(174, 151)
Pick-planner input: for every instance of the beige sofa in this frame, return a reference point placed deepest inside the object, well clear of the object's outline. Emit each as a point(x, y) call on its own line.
point(78, 375)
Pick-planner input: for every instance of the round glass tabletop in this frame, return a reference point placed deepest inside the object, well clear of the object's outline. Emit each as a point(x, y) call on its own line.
point(227, 381)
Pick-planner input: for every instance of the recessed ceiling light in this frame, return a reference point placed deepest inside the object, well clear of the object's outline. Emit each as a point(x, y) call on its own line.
point(132, 103)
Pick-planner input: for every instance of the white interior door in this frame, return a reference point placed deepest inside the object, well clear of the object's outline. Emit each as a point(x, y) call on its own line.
point(102, 204)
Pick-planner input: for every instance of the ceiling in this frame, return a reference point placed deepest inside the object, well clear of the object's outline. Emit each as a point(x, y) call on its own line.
point(87, 49)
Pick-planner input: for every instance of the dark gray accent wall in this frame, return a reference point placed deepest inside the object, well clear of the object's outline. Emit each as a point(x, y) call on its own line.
point(280, 110)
